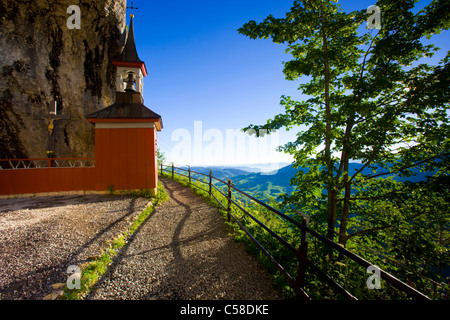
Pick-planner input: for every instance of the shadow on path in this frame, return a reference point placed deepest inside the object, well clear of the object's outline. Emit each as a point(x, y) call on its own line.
point(183, 251)
point(31, 284)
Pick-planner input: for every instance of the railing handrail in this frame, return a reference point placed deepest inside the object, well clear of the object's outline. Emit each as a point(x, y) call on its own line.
point(359, 260)
point(36, 163)
point(41, 159)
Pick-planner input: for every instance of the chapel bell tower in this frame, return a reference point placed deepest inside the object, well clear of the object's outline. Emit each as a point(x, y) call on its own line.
point(130, 69)
point(126, 131)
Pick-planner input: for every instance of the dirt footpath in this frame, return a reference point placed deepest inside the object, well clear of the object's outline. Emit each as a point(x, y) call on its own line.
point(183, 252)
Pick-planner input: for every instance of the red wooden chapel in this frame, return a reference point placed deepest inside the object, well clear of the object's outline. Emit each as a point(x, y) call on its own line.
point(125, 144)
point(125, 132)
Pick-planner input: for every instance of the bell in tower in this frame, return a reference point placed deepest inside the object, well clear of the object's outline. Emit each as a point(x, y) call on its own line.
point(130, 69)
point(130, 87)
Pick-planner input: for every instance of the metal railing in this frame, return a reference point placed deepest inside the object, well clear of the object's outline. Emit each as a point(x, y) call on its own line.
point(14, 164)
point(301, 252)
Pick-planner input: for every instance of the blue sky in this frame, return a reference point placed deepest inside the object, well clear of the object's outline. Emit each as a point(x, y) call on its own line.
point(207, 81)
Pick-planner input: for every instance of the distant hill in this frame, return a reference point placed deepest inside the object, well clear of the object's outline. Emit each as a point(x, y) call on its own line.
point(272, 184)
point(221, 172)
point(266, 185)
point(279, 182)
point(224, 172)
point(419, 176)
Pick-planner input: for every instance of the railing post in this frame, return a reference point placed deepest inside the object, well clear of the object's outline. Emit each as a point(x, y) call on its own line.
point(161, 169)
point(302, 254)
point(173, 169)
point(189, 173)
point(229, 200)
point(210, 184)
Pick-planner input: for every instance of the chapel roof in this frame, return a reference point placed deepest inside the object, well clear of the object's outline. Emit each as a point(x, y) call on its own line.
point(129, 52)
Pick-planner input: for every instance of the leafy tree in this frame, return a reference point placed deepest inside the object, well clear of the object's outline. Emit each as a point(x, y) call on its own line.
point(372, 101)
point(160, 156)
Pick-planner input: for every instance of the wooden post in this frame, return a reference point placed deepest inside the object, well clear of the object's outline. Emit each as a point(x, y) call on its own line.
point(229, 200)
point(161, 169)
point(173, 169)
point(210, 184)
point(189, 173)
point(302, 256)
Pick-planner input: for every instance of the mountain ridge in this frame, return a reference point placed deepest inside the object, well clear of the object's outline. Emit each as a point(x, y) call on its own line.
point(275, 183)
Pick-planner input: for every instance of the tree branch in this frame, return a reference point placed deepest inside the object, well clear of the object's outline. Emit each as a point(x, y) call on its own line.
point(361, 232)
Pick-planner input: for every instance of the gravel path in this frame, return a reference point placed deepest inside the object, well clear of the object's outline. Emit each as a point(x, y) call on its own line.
point(41, 237)
point(183, 251)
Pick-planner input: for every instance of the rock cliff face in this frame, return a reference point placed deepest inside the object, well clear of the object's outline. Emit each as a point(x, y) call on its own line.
point(42, 60)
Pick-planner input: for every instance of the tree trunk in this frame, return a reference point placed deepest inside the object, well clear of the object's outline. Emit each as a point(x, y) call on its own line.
point(346, 205)
point(332, 202)
point(332, 196)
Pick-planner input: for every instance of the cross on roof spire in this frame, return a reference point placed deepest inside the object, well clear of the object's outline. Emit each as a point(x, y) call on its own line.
point(132, 8)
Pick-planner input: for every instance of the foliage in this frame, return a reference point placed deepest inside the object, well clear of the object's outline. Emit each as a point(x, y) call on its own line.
point(50, 154)
point(160, 157)
point(371, 100)
point(111, 189)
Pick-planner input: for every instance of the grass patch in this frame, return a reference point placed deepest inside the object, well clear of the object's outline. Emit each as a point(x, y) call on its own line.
point(92, 271)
